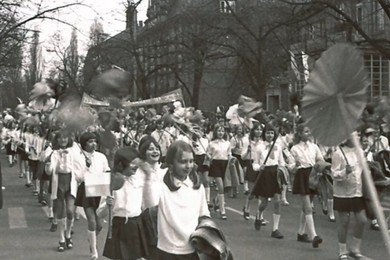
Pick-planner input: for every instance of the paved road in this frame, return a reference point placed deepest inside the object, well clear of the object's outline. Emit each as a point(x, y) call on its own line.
point(24, 230)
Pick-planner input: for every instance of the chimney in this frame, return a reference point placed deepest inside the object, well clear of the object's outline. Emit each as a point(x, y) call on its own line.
point(131, 15)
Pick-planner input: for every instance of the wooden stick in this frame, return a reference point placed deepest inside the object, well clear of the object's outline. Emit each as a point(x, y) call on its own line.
point(372, 193)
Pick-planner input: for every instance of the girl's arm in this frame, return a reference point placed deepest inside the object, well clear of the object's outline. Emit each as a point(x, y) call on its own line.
point(338, 166)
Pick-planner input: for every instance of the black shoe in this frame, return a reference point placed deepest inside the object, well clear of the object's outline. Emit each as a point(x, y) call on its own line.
point(325, 211)
point(246, 192)
point(61, 247)
point(303, 238)
point(317, 240)
point(277, 234)
point(257, 224)
point(245, 214)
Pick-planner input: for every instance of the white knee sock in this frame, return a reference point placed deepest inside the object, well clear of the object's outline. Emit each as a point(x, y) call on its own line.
point(221, 199)
point(310, 225)
point(330, 208)
point(92, 242)
point(207, 190)
point(69, 227)
point(343, 249)
point(246, 186)
point(276, 219)
point(61, 228)
point(302, 224)
point(355, 244)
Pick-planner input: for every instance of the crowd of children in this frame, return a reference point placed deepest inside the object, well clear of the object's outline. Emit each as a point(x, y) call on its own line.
point(165, 172)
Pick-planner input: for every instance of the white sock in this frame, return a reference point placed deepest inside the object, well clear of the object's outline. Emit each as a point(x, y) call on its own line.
point(302, 224)
point(69, 223)
point(207, 190)
point(92, 242)
point(355, 244)
point(276, 219)
point(61, 228)
point(51, 212)
point(310, 225)
point(221, 199)
point(246, 186)
point(284, 193)
point(343, 248)
point(330, 208)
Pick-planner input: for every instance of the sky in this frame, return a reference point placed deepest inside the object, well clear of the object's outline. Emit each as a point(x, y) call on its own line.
point(111, 13)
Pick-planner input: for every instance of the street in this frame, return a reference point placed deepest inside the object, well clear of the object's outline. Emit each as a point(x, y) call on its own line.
point(24, 229)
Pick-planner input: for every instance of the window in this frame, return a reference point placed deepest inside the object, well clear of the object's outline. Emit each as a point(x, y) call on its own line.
point(379, 70)
point(227, 6)
point(359, 13)
point(378, 17)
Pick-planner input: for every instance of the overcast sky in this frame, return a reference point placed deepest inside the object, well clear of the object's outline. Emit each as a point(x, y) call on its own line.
point(110, 12)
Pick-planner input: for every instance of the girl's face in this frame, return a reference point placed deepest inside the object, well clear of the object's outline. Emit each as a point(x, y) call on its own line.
point(131, 168)
point(269, 135)
point(220, 132)
point(152, 154)
point(183, 165)
point(239, 131)
point(63, 141)
point(257, 132)
point(305, 134)
point(365, 142)
point(91, 145)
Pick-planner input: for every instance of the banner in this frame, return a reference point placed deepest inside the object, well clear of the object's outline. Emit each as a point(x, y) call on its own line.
point(88, 100)
point(97, 184)
point(166, 98)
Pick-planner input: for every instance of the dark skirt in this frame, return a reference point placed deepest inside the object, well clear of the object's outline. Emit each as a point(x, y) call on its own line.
point(128, 239)
point(355, 204)
point(83, 201)
point(162, 255)
point(267, 185)
point(243, 163)
point(250, 174)
point(218, 168)
point(199, 160)
point(301, 182)
point(8, 149)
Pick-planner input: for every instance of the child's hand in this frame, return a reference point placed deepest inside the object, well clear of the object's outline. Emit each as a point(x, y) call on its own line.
point(110, 200)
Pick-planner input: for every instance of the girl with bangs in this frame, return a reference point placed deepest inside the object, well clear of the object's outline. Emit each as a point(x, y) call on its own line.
point(269, 158)
point(182, 203)
point(90, 162)
point(63, 185)
point(255, 142)
point(219, 152)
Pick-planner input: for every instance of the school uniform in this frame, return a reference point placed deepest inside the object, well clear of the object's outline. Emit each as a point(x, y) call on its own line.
point(128, 235)
point(307, 154)
point(219, 150)
point(178, 216)
point(63, 173)
point(99, 164)
point(347, 188)
point(239, 146)
point(268, 183)
point(200, 147)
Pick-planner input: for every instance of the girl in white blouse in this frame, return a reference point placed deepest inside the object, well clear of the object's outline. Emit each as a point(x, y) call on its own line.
point(64, 185)
point(348, 198)
point(219, 154)
point(306, 155)
point(128, 235)
point(268, 184)
point(90, 162)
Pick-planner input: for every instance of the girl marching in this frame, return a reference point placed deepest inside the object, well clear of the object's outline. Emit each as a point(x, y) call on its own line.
point(268, 183)
point(90, 162)
point(306, 155)
point(219, 154)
